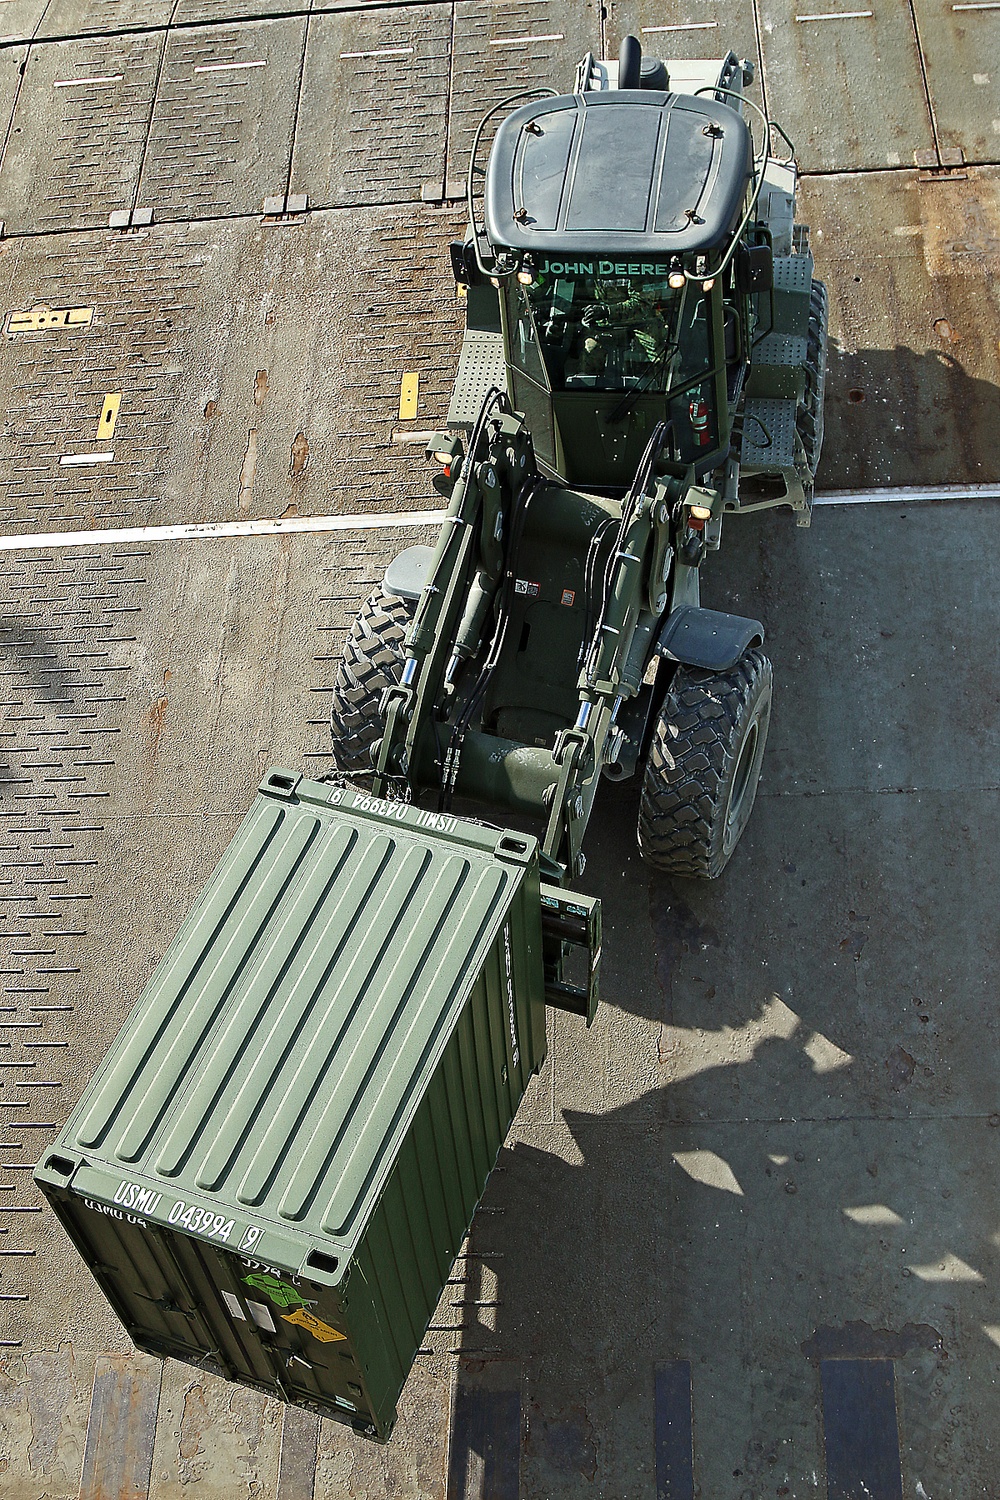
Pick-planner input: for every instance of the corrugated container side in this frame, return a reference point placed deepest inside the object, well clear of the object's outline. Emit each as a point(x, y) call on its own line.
point(409, 1248)
point(330, 1054)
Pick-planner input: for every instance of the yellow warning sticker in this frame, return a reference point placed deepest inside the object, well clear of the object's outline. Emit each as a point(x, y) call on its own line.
point(109, 415)
point(41, 317)
point(313, 1325)
point(408, 389)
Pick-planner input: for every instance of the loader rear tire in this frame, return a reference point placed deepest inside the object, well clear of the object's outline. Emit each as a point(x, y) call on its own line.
point(703, 767)
point(809, 417)
point(372, 661)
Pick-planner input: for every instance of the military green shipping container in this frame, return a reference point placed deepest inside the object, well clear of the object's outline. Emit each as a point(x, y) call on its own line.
point(272, 1171)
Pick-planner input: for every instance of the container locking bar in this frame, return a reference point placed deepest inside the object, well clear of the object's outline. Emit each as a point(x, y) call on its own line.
point(569, 919)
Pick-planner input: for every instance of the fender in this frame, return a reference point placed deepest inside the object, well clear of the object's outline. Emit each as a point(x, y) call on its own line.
point(707, 638)
point(407, 573)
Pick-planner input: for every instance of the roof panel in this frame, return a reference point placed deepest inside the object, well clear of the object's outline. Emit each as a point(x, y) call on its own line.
point(284, 1039)
point(611, 188)
point(649, 174)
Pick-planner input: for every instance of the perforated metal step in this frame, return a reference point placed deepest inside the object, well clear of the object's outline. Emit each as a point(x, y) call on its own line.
point(793, 273)
point(780, 350)
point(778, 369)
point(768, 435)
point(480, 366)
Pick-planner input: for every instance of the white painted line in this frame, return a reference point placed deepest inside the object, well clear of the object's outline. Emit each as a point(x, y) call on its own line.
point(910, 493)
point(685, 26)
point(77, 459)
point(73, 83)
point(838, 15)
point(982, 5)
point(382, 52)
point(522, 41)
point(230, 67)
point(220, 530)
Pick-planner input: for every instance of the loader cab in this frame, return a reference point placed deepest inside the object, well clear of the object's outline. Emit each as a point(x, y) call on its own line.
point(605, 213)
point(598, 354)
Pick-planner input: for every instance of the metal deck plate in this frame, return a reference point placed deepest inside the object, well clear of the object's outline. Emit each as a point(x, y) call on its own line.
point(207, 153)
point(189, 12)
point(503, 49)
point(913, 270)
point(78, 132)
point(684, 28)
point(842, 110)
point(371, 123)
point(21, 19)
point(12, 63)
point(68, 18)
point(959, 46)
point(215, 422)
point(481, 365)
point(768, 434)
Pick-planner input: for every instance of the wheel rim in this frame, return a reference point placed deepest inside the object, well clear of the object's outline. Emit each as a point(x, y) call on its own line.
point(744, 784)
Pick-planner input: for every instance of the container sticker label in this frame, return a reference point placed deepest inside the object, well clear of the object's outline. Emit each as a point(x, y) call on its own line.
point(261, 1315)
point(524, 586)
point(313, 1325)
point(568, 598)
point(233, 1304)
point(280, 1292)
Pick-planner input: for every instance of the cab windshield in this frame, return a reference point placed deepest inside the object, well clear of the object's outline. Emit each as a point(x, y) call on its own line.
point(609, 326)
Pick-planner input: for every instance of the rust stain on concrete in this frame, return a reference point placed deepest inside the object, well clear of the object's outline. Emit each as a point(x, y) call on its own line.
point(248, 471)
point(193, 1423)
point(155, 718)
point(961, 226)
point(300, 455)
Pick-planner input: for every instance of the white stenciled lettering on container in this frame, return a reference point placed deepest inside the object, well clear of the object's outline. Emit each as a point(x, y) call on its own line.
point(201, 1221)
point(381, 808)
point(439, 822)
point(133, 1195)
point(113, 1213)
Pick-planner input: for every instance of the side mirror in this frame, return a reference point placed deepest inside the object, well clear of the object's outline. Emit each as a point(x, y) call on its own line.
point(463, 264)
point(754, 268)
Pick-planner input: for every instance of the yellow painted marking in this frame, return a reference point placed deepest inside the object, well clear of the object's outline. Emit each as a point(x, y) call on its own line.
point(409, 386)
point(40, 317)
point(313, 1325)
point(109, 415)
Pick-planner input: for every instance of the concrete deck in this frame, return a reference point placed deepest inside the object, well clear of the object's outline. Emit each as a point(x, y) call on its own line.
point(745, 1239)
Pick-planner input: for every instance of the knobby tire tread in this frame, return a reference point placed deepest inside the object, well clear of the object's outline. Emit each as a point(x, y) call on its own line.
point(372, 661)
point(683, 794)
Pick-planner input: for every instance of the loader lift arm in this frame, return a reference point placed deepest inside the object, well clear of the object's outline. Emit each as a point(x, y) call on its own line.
point(434, 736)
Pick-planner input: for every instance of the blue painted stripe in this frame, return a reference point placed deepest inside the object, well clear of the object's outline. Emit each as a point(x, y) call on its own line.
point(674, 1442)
point(484, 1455)
point(861, 1431)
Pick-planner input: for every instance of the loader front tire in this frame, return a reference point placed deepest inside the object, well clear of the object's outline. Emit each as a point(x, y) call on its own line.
point(372, 661)
point(703, 767)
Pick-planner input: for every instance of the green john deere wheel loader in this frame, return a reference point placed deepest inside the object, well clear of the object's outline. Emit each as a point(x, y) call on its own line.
point(644, 334)
point(273, 1171)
